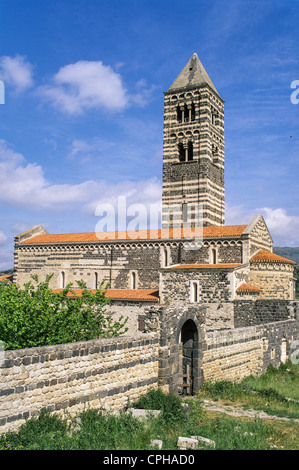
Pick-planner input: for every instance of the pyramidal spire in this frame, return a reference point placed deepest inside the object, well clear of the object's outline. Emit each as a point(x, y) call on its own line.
point(193, 74)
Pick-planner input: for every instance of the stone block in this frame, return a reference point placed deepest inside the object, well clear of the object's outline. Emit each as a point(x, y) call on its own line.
point(205, 441)
point(157, 443)
point(187, 443)
point(143, 414)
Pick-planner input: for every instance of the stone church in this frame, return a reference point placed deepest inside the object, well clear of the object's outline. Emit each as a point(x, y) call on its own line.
point(221, 301)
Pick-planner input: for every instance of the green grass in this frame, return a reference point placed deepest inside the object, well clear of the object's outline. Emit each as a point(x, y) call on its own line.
point(98, 430)
point(284, 381)
point(274, 392)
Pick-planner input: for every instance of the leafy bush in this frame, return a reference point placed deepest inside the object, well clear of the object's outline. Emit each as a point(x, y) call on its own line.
point(105, 431)
point(46, 431)
point(36, 316)
point(171, 405)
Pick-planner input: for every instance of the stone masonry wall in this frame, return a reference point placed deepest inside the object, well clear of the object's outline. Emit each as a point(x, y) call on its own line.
point(224, 354)
point(133, 311)
point(235, 354)
point(256, 312)
point(275, 279)
point(113, 262)
point(213, 309)
point(69, 377)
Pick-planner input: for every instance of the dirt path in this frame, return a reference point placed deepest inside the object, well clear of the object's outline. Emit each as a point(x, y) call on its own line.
point(236, 411)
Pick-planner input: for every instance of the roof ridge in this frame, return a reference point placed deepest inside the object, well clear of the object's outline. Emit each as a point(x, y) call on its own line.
point(145, 234)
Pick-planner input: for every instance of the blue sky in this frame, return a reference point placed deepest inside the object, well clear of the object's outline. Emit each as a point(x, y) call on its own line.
point(82, 121)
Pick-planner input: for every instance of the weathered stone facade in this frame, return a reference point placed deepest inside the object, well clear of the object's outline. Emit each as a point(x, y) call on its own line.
point(193, 147)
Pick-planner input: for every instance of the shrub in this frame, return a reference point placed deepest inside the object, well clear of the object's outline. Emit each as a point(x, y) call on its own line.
point(36, 316)
point(170, 404)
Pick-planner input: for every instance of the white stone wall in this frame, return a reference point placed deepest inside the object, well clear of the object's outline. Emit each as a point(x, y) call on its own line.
point(68, 377)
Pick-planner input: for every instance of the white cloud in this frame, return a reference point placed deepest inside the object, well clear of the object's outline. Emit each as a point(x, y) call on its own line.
point(16, 71)
point(24, 185)
point(85, 85)
point(83, 150)
point(3, 238)
point(283, 228)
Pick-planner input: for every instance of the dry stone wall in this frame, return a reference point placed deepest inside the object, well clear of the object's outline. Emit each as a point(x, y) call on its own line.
point(235, 354)
point(69, 377)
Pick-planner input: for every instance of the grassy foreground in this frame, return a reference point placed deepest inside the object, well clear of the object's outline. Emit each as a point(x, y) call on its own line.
point(99, 430)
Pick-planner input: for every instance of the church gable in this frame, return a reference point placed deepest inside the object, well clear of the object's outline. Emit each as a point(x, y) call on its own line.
point(259, 235)
point(32, 232)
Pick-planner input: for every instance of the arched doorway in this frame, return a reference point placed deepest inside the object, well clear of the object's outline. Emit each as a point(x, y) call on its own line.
point(188, 359)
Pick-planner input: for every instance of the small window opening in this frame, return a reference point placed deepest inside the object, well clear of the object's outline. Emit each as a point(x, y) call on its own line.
point(214, 256)
point(95, 280)
point(63, 279)
point(181, 152)
point(133, 280)
point(141, 324)
point(192, 112)
point(194, 292)
point(186, 114)
point(214, 119)
point(190, 151)
point(165, 257)
point(214, 150)
point(179, 114)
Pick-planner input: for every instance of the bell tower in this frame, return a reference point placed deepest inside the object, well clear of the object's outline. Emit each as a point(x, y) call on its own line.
point(193, 150)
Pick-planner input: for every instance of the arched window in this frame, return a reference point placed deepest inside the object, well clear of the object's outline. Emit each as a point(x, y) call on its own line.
point(182, 153)
point(133, 280)
point(190, 151)
point(192, 112)
point(165, 257)
point(179, 114)
point(62, 279)
point(194, 291)
point(95, 280)
point(214, 256)
point(186, 114)
point(214, 150)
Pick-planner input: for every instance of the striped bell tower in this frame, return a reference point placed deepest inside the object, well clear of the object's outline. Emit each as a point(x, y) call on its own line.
point(193, 150)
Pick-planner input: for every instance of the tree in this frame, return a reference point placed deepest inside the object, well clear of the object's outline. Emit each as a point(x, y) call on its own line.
point(37, 316)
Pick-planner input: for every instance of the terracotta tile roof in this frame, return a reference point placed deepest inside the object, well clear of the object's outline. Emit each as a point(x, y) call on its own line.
point(6, 277)
point(247, 288)
point(205, 266)
point(264, 255)
point(122, 294)
point(206, 232)
point(223, 231)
